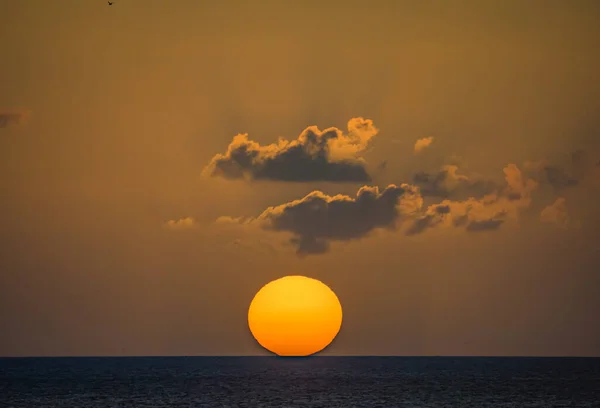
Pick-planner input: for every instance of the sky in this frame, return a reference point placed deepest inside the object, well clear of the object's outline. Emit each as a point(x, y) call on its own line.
point(437, 164)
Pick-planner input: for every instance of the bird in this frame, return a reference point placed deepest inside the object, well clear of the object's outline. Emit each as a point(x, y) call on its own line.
point(110, 3)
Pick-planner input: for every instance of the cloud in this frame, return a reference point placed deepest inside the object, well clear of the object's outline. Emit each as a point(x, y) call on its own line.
point(447, 183)
point(11, 118)
point(317, 219)
point(328, 155)
point(472, 214)
point(226, 219)
point(473, 204)
point(480, 214)
point(556, 213)
point(433, 216)
point(485, 225)
point(558, 178)
point(518, 188)
point(566, 175)
point(182, 223)
point(422, 144)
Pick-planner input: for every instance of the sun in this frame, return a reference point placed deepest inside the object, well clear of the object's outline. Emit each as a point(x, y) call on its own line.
point(295, 316)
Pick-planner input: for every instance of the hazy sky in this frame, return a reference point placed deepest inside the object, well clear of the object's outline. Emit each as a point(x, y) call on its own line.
point(133, 223)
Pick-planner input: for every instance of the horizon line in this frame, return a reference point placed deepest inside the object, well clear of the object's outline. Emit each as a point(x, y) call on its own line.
point(295, 357)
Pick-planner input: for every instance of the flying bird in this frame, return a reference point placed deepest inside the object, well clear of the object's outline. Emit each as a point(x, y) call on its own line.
point(110, 3)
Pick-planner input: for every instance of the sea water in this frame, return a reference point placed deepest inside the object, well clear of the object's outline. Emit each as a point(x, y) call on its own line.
point(307, 382)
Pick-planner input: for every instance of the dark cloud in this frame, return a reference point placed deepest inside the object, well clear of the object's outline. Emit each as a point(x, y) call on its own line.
point(558, 178)
point(459, 214)
point(434, 217)
point(460, 220)
point(318, 218)
point(424, 178)
point(10, 118)
point(486, 213)
point(328, 155)
point(422, 223)
point(310, 245)
point(442, 209)
point(447, 183)
point(484, 225)
point(569, 173)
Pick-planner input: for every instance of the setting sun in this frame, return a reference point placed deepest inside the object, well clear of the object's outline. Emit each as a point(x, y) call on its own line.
point(295, 316)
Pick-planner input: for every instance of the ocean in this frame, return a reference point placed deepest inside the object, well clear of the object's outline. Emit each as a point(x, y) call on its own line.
point(153, 382)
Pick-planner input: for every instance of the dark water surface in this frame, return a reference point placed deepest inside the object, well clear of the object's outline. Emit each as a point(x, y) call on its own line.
point(312, 382)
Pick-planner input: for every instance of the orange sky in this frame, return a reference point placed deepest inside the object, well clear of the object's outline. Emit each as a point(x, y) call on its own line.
point(110, 118)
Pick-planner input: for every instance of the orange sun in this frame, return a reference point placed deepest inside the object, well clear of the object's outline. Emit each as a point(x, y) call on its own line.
point(295, 316)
